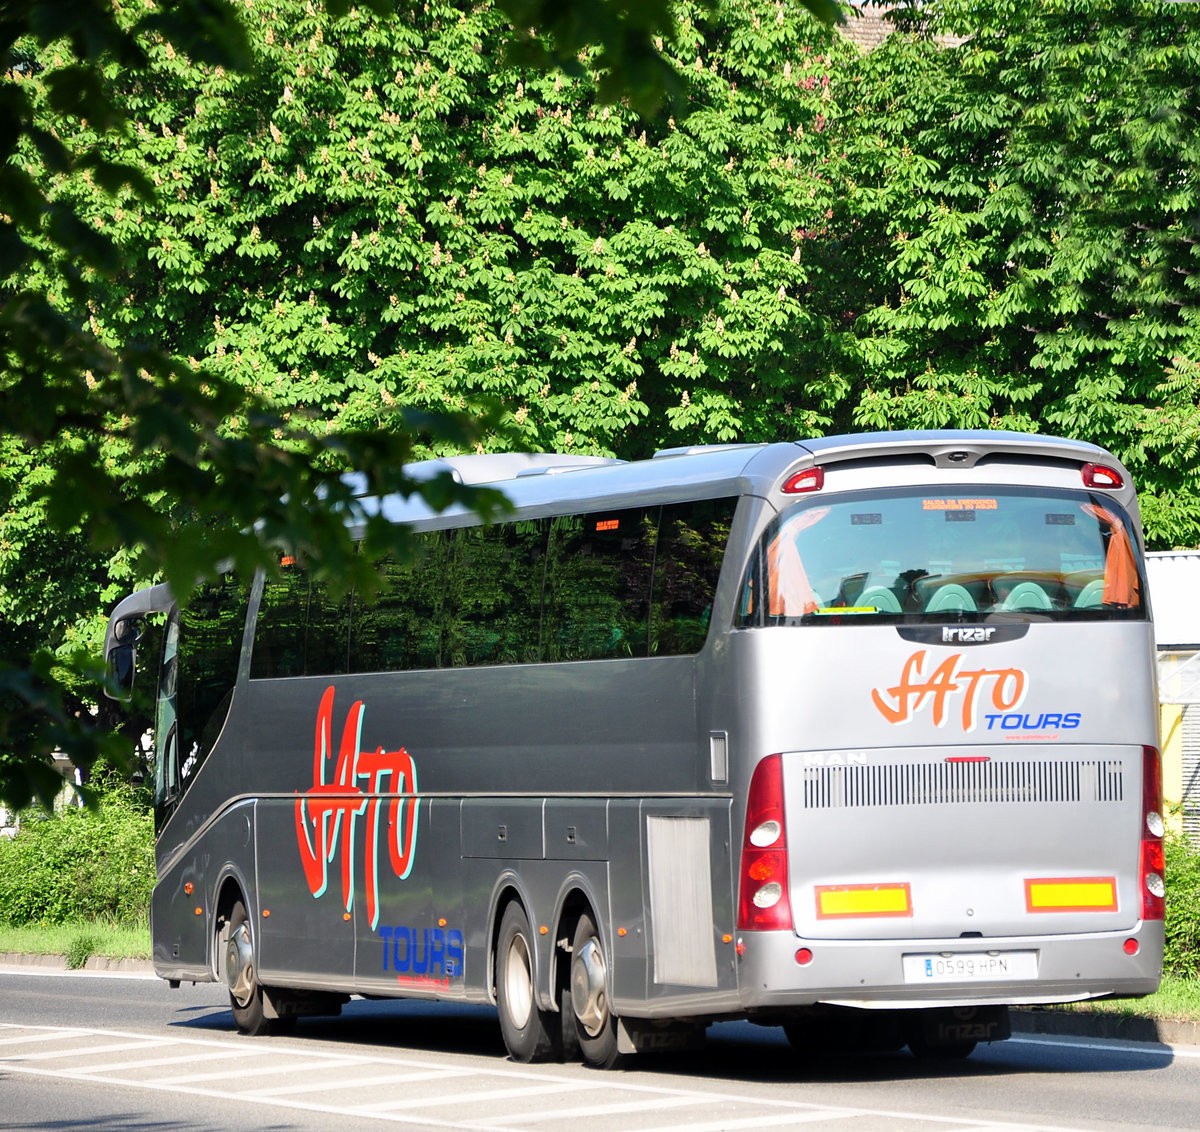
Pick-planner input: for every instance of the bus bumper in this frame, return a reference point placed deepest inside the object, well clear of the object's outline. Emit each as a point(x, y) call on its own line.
point(780, 969)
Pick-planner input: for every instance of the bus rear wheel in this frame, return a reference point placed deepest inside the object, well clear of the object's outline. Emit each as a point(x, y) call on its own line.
point(595, 1023)
point(529, 1033)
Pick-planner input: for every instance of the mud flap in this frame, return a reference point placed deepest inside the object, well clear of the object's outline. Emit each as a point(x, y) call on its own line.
point(647, 1035)
point(301, 1004)
point(956, 1025)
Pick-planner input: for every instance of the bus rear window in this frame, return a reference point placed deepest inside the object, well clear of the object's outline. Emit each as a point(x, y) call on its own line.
point(906, 555)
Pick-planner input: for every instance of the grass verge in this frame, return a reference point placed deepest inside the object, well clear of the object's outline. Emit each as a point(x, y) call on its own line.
point(77, 940)
point(1177, 1000)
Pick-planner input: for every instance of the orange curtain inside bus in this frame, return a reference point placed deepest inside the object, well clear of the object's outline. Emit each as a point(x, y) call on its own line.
point(1121, 586)
point(791, 593)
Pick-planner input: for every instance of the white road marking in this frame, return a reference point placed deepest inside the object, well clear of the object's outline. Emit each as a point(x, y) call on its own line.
point(773, 1119)
point(359, 1082)
point(78, 1051)
point(584, 1111)
point(476, 1098)
point(183, 1058)
point(1111, 1045)
point(62, 973)
point(53, 1036)
point(250, 1071)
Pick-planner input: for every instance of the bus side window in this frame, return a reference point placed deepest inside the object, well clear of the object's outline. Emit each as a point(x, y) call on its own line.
point(494, 592)
point(597, 599)
point(691, 546)
point(199, 670)
point(400, 627)
point(301, 630)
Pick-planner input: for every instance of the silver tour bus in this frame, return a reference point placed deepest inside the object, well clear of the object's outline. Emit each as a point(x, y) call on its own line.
point(856, 735)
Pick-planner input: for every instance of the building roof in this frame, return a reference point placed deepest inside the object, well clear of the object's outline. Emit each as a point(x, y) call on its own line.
point(1174, 579)
point(867, 26)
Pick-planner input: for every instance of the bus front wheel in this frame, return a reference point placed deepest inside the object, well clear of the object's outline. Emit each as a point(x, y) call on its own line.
point(595, 1023)
point(529, 1033)
point(241, 976)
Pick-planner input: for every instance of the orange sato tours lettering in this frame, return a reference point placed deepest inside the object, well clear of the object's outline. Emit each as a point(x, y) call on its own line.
point(900, 703)
point(327, 814)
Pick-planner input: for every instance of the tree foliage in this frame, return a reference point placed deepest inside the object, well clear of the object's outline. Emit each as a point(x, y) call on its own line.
point(230, 281)
point(137, 446)
point(1029, 200)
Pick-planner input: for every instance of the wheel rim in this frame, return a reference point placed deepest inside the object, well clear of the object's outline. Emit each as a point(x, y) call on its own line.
point(587, 988)
point(518, 981)
point(239, 965)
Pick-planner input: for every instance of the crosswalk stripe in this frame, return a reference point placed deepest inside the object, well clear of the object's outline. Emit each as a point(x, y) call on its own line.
point(585, 1111)
point(356, 1083)
point(81, 1051)
point(250, 1071)
point(177, 1059)
point(474, 1098)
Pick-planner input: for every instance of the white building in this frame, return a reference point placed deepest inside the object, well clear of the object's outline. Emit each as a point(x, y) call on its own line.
point(1174, 577)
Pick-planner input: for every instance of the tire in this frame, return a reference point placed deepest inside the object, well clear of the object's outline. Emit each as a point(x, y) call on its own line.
point(530, 1034)
point(571, 1050)
point(241, 976)
point(595, 1023)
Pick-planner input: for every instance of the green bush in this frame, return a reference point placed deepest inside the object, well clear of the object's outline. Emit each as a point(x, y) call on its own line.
point(1182, 953)
point(80, 865)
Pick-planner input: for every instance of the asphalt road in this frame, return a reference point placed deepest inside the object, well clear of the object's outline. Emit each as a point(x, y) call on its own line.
point(101, 1052)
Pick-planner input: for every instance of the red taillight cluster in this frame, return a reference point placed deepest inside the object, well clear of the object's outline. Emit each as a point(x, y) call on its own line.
point(811, 479)
point(1153, 887)
point(763, 903)
point(1100, 475)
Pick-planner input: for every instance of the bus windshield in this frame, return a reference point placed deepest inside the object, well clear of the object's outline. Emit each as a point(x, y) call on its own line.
point(909, 555)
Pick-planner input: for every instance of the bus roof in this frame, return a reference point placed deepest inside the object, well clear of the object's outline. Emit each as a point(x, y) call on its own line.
point(541, 483)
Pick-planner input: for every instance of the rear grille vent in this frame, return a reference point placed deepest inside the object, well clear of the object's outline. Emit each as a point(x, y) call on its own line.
point(953, 783)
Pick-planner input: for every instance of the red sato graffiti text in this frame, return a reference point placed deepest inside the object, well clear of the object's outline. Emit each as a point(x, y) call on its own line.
point(327, 815)
point(900, 703)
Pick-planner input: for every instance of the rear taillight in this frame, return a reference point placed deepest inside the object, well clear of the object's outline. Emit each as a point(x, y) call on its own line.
point(811, 479)
point(1100, 475)
point(763, 902)
point(1153, 886)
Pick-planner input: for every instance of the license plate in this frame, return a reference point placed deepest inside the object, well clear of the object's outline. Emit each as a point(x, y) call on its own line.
point(971, 967)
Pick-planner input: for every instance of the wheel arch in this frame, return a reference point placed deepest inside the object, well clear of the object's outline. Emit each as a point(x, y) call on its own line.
point(509, 890)
point(575, 898)
point(231, 887)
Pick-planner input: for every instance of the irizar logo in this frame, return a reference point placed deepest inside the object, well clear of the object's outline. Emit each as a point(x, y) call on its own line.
point(950, 1032)
point(836, 758)
point(967, 634)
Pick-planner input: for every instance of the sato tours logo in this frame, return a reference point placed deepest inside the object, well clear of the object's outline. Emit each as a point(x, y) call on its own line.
point(344, 796)
point(422, 955)
point(968, 695)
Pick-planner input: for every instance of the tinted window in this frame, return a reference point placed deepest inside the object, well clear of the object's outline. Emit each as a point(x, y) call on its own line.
point(201, 650)
point(691, 546)
point(957, 553)
point(597, 602)
point(401, 626)
point(581, 587)
point(302, 630)
point(493, 594)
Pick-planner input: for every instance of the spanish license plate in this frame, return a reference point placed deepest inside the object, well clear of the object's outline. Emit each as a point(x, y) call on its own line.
point(971, 967)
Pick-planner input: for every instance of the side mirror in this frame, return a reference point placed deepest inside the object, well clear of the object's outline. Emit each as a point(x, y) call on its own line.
point(122, 656)
point(122, 664)
point(124, 632)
